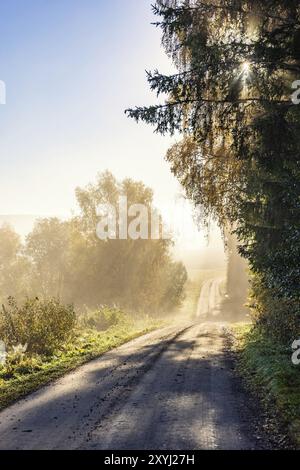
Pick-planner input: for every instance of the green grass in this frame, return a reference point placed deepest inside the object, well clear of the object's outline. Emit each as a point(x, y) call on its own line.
point(31, 373)
point(270, 373)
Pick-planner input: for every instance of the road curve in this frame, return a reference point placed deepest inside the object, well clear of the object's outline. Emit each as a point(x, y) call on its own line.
point(171, 389)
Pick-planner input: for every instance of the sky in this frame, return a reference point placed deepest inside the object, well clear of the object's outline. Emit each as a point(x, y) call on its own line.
point(71, 68)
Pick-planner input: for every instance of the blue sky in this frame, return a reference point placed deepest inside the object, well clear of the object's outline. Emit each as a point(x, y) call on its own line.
point(71, 67)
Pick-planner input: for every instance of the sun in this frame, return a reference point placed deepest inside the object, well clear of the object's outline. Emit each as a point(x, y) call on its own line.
point(246, 66)
point(246, 69)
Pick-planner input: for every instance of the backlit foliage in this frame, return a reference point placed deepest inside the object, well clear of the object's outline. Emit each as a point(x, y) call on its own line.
point(231, 100)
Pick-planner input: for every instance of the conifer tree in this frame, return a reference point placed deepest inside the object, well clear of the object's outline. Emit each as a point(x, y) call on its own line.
point(231, 100)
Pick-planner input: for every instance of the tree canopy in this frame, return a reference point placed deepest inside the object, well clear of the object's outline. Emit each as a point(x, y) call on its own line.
point(231, 101)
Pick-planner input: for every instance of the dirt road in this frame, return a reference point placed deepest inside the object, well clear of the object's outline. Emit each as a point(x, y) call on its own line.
point(171, 389)
point(209, 305)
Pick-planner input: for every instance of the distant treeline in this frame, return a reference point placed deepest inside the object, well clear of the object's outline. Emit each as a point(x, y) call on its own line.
point(66, 259)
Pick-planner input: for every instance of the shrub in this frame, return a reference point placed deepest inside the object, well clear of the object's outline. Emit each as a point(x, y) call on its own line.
point(279, 316)
point(42, 325)
point(104, 318)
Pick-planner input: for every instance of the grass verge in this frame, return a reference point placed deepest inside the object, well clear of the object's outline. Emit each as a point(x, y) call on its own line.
point(269, 372)
point(29, 375)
